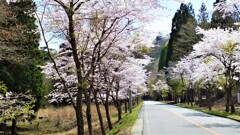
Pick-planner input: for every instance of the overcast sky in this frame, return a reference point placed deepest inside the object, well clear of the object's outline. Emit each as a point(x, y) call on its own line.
point(163, 23)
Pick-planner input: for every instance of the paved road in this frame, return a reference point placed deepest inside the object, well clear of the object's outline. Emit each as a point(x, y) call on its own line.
point(163, 119)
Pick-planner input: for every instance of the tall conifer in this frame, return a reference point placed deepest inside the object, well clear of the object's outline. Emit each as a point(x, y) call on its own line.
point(22, 76)
point(203, 17)
point(183, 34)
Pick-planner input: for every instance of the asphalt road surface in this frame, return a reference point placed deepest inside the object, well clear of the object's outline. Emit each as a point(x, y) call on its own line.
point(162, 119)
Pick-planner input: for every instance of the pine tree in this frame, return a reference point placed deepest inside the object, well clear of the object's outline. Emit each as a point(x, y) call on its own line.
point(10, 35)
point(24, 75)
point(203, 17)
point(183, 34)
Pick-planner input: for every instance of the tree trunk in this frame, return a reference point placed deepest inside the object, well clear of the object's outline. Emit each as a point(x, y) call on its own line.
point(227, 102)
point(191, 97)
point(125, 105)
point(209, 102)
point(232, 109)
point(78, 107)
point(79, 114)
point(88, 114)
point(119, 109)
point(3, 127)
point(106, 105)
point(199, 97)
point(231, 102)
point(137, 99)
point(88, 111)
point(99, 114)
point(130, 101)
point(14, 127)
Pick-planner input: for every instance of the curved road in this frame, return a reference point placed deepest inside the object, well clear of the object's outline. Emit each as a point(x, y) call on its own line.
point(162, 119)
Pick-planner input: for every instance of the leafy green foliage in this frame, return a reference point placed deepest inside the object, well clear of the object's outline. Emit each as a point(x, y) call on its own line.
point(3, 88)
point(177, 86)
point(22, 75)
point(230, 47)
point(142, 50)
point(163, 56)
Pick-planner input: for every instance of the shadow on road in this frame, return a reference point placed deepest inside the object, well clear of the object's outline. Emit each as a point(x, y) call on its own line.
point(197, 114)
point(221, 125)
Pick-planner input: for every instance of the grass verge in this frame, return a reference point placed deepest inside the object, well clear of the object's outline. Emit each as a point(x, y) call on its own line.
point(124, 126)
point(222, 113)
point(61, 121)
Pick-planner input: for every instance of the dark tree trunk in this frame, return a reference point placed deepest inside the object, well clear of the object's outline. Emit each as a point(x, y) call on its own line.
point(231, 102)
point(232, 109)
point(79, 114)
point(192, 96)
point(209, 100)
point(137, 99)
point(227, 102)
point(106, 105)
point(88, 114)
point(99, 114)
point(130, 101)
point(14, 127)
point(3, 127)
point(126, 105)
point(199, 97)
point(117, 102)
point(119, 109)
point(73, 42)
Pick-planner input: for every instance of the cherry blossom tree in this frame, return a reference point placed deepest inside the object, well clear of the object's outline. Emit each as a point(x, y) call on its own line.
point(131, 77)
point(14, 106)
point(162, 87)
point(199, 73)
point(113, 67)
point(226, 51)
point(229, 6)
point(215, 57)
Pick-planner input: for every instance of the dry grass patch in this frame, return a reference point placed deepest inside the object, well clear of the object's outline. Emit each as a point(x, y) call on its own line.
point(62, 121)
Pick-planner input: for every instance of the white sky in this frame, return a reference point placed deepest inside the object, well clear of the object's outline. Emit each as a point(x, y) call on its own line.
point(163, 24)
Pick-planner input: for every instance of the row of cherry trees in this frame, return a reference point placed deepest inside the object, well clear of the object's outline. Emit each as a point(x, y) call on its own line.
point(95, 61)
point(212, 67)
point(214, 63)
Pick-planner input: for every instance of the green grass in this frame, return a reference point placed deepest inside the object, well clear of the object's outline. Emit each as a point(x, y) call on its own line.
point(126, 122)
point(235, 116)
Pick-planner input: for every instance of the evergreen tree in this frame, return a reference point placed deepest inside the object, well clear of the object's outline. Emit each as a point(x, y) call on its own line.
point(183, 34)
point(10, 36)
point(203, 17)
point(163, 54)
point(218, 19)
point(24, 75)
